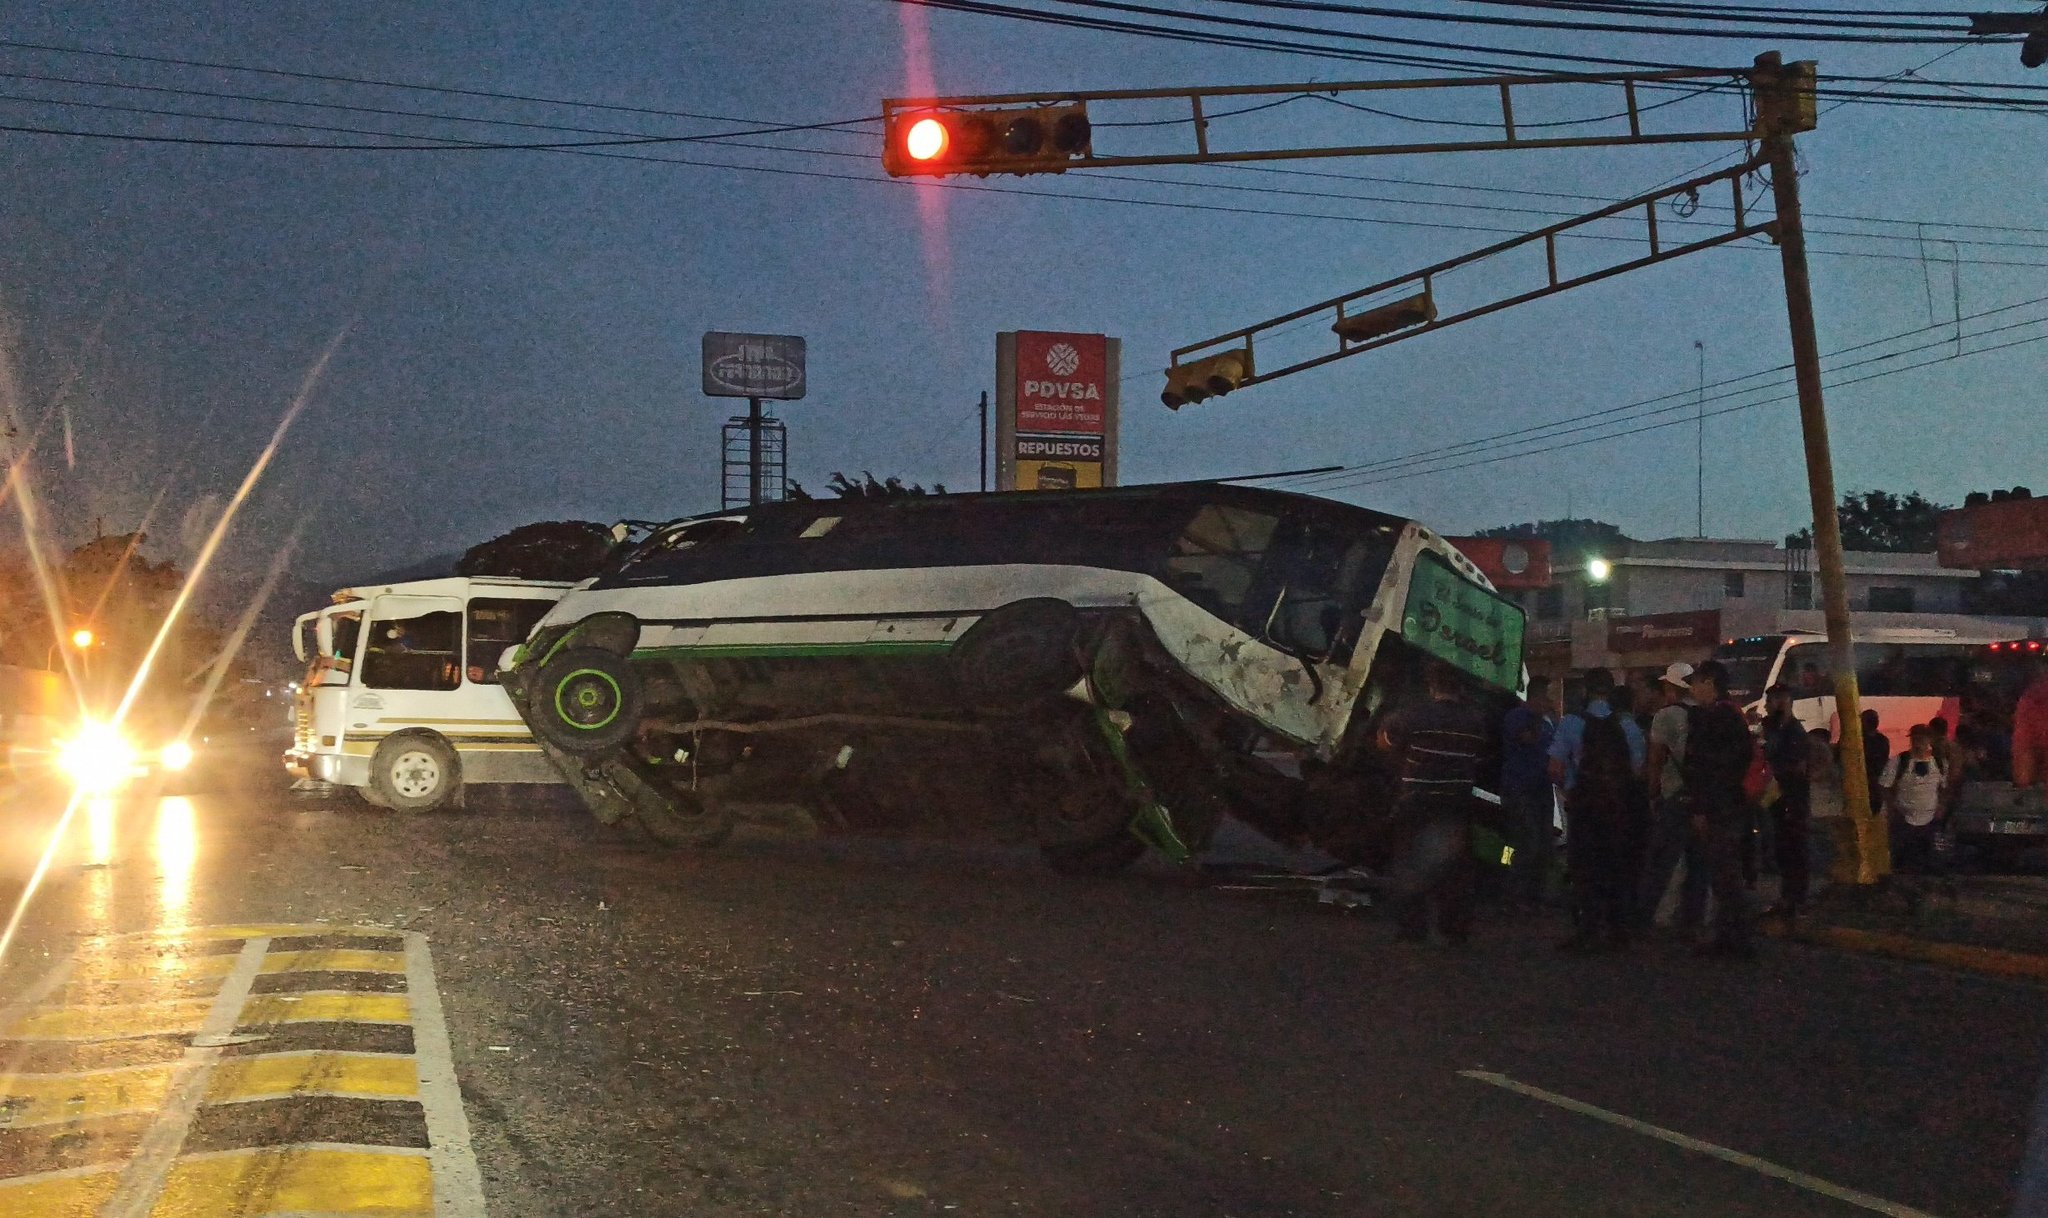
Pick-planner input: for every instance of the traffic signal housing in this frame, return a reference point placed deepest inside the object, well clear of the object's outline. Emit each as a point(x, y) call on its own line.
point(936, 143)
point(1416, 310)
point(1209, 377)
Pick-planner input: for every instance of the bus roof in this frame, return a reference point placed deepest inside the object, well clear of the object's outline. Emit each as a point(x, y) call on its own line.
point(1227, 492)
point(455, 585)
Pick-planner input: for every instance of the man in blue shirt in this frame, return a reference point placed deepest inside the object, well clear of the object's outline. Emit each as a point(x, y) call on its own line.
point(1597, 757)
point(1525, 791)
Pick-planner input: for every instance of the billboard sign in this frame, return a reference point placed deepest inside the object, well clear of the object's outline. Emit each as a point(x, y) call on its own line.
point(2003, 535)
point(1056, 410)
point(1695, 631)
point(753, 365)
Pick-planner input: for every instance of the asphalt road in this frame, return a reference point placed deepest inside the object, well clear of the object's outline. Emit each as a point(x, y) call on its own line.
point(807, 1027)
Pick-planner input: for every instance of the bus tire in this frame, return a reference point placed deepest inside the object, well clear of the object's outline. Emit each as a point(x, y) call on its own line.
point(1018, 654)
point(586, 701)
point(415, 772)
point(1081, 814)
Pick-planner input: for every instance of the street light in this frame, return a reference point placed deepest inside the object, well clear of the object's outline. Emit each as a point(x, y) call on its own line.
point(81, 638)
point(1598, 570)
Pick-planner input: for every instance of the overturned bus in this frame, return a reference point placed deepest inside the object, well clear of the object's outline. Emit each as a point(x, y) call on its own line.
point(1095, 671)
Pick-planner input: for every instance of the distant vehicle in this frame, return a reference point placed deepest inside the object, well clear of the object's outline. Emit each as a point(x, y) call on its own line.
point(1112, 667)
point(1969, 676)
point(401, 700)
point(1906, 675)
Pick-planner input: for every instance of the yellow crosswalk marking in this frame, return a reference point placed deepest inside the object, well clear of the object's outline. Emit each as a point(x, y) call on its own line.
point(316, 1008)
point(156, 968)
point(258, 930)
point(170, 1017)
point(322, 1072)
point(334, 959)
point(298, 1180)
point(47, 1099)
point(59, 1195)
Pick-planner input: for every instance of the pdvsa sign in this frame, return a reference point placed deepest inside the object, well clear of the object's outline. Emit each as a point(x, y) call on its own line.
point(753, 365)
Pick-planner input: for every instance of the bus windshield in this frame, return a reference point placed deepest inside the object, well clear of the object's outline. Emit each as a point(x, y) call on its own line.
point(1749, 665)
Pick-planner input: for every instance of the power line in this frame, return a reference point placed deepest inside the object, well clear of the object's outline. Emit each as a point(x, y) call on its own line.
point(1250, 42)
point(1711, 414)
point(1683, 399)
point(1818, 30)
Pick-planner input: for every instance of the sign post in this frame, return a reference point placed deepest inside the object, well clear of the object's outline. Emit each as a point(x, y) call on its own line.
point(1056, 410)
point(754, 367)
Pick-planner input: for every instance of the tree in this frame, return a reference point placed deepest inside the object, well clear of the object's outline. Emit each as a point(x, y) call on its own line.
point(867, 487)
point(546, 549)
point(1883, 522)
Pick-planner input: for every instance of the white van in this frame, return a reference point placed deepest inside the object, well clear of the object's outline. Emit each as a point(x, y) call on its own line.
point(401, 700)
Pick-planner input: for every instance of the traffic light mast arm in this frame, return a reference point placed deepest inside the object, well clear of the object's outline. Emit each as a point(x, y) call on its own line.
point(1416, 312)
point(897, 113)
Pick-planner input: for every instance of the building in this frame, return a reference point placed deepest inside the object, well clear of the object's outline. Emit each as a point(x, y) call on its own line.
point(1650, 603)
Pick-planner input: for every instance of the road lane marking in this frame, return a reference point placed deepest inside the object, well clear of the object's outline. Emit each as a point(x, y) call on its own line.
point(334, 960)
point(323, 1073)
point(116, 1021)
point(157, 968)
point(1798, 1179)
point(307, 1179)
point(329, 1007)
point(45, 1099)
point(458, 1183)
point(59, 1194)
point(143, 1179)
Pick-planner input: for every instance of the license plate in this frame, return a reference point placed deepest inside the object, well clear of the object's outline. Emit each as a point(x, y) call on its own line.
point(2030, 827)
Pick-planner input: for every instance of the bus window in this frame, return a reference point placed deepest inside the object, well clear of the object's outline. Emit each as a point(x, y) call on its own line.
point(422, 651)
point(1912, 670)
point(1215, 562)
point(495, 624)
point(1323, 578)
point(334, 648)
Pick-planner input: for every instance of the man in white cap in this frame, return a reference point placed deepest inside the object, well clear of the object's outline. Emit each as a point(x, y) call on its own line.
point(1671, 836)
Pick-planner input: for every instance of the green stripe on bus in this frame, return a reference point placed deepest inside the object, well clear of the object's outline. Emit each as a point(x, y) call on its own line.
point(740, 651)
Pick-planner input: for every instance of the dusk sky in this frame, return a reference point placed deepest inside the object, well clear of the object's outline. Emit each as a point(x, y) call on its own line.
point(522, 327)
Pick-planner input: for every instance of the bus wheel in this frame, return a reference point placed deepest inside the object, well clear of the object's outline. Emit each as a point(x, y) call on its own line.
point(586, 701)
point(1080, 814)
point(1018, 654)
point(675, 818)
point(414, 772)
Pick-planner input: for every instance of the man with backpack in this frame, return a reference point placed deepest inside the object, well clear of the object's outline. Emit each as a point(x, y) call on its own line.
point(1718, 754)
point(1597, 758)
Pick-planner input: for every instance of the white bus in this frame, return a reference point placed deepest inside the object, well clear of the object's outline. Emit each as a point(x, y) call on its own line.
point(1115, 667)
point(401, 700)
point(1906, 675)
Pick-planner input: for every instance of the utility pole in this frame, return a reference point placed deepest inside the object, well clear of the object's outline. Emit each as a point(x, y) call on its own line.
point(1776, 109)
point(984, 439)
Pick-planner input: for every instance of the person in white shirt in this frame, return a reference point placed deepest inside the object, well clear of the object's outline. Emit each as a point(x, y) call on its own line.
point(1913, 783)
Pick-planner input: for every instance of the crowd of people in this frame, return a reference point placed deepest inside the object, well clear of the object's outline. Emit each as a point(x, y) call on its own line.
point(1671, 784)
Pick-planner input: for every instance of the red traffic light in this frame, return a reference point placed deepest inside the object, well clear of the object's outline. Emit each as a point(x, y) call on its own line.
point(1041, 139)
point(926, 140)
